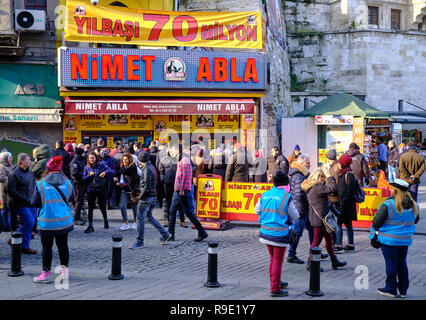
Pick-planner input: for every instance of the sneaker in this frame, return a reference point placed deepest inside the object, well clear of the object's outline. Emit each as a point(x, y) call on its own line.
point(124, 227)
point(284, 285)
point(136, 245)
point(338, 250)
point(201, 237)
point(44, 277)
point(295, 260)
point(166, 239)
point(28, 251)
point(89, 229)
point(134, 226)
point(183, 224)
point(385, 293)
point(349, 248)
point(281, 293)
point(402, 295)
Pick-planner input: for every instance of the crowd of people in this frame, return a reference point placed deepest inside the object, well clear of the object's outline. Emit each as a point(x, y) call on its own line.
point(331, 190)
point(58, 181)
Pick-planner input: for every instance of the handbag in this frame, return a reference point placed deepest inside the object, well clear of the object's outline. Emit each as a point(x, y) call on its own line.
point(359, 194)
point(330, 221)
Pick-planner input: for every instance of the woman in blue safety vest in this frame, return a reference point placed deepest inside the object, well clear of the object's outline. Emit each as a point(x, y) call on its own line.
point(276, 212)
point(392, 230)
point(55, 218)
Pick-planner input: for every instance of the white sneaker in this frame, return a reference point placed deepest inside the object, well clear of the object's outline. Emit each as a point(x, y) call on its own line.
point(124, 227)
point(134, 226)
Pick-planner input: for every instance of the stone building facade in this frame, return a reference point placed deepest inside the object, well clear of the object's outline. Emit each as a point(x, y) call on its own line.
point(373, 49)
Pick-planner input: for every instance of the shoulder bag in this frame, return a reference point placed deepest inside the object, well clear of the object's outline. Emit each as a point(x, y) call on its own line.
point(330, 221)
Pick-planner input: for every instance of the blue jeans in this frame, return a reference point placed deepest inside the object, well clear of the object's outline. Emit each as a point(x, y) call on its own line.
point(396, 267)
point(349, 233)
point(124, 200)
point(5, 215)
point(145, 207)
point(392, 174)
point(183, 202)
point(299, 226)
point(28, 217)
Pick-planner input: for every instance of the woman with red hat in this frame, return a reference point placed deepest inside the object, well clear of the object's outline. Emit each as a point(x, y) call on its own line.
point(55, 218)
point(346, 187)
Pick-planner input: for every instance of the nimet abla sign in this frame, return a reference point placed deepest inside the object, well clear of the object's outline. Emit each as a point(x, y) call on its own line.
point(161, 69)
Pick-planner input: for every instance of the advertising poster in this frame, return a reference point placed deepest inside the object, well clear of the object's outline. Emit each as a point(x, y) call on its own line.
point(209, 197)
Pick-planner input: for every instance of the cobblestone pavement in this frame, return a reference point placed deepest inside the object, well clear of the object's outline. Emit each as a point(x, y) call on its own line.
point(177, 271)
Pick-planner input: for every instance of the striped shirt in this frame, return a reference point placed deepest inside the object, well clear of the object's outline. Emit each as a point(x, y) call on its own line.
point(183, 180)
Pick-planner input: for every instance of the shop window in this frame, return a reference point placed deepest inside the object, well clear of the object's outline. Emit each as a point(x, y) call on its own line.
point(395, 19)
point(35, 4)
point(373, 15)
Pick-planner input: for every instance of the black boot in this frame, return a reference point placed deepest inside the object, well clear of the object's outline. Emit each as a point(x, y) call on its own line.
point(336, 263)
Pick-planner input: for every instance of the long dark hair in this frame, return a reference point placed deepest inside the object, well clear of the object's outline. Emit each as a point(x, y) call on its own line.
point(93, 153)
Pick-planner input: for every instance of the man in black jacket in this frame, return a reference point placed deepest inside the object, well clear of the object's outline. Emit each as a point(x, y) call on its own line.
point(79, 187)
point(280, 162)
point(20, 189)
point(299, 172)
point(66, 158)
point(147, 201)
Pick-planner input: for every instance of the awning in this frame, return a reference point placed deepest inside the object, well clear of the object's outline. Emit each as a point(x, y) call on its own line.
point(29, 86)
point(30, 115)
point(344, 105)
point(150, 106)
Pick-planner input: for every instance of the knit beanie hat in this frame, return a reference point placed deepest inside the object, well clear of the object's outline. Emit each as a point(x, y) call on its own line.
point(331, 155)
point(143, 156)
point(54, 164)
point(345, 161)
point(297, 148)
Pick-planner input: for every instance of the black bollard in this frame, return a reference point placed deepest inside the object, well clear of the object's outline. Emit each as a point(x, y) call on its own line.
point(15, 269)
point(212, 266)
point(117, 243)
point(314, 283)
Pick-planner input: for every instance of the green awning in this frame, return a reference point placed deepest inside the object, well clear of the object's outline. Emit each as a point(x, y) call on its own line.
point(345, 105)
point(29, 86)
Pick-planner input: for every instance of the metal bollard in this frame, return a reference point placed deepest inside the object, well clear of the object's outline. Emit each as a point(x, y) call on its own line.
point(212, 266)
point(314, 282)
point(15, 269)
point(117, 243)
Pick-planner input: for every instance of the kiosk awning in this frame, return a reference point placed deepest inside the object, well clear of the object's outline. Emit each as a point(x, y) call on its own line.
point(150, 106)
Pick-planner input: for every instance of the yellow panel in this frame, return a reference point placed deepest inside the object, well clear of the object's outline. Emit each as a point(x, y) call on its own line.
point(163, 94)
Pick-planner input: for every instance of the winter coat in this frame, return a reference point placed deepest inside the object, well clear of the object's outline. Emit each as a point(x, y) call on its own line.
point(199, 169)
point(393, 157)
point(280, 164)
point(334, 172)
point(131, 177)
point(297, 175)
point(20, 188)
point(116, 159)
point(77, 169)
point(5, 170)
point(411, 163)
point(346, 196)
point(153, 154)
point(43, 154)
point(359, 166)
point(148, 180)
point(66, 159)
point(107, 161)
point(292, 158)
point(260, 173)
point(238, 167)
point(317, 193)
point(96, 180)
point(217, 165)
point(167, 168)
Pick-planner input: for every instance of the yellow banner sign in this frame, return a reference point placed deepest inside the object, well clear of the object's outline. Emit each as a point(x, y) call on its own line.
point(110, 24)
point(209, 193)
point(374, 197)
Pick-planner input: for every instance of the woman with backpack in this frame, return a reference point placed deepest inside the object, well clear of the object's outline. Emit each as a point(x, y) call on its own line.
point(95, 174)
point(347, 185)
point(55, 218)
point(129, 183)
